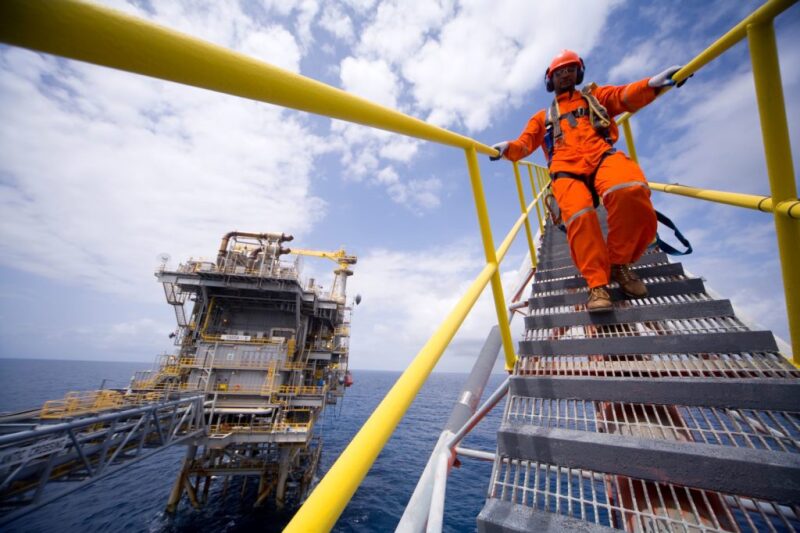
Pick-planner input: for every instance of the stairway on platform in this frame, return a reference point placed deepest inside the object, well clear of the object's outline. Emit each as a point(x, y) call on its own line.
point(666, 414)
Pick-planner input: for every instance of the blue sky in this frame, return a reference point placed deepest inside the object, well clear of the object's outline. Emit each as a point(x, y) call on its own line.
point(101, 171)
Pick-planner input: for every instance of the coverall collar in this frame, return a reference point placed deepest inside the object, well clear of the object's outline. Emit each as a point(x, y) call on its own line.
point(567, 95)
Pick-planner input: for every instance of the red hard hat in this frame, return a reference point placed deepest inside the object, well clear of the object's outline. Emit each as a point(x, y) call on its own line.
point(566, 57)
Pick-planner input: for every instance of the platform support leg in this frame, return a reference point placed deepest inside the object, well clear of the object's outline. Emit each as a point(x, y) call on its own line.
point(183, 476)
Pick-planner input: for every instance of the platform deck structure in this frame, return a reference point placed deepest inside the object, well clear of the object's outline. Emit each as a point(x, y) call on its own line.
point(269, 350)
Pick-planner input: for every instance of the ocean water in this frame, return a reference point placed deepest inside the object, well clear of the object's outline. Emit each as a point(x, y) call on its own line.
point(134, 498)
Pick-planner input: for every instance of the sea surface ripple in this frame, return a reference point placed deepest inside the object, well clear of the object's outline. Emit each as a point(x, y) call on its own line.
point(134, 498)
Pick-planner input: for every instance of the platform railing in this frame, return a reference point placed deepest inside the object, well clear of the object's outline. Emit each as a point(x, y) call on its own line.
point(106, 37)
point(758, 29)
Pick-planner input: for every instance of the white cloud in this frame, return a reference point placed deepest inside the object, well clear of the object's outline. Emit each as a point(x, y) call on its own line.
point(274, 45)
point(399, 149)
point(399, 28)
point(304, 13)
point(638, 64)
point(373, 80)
point(419, 195)
point(102, 170)
point(407, 295)
point(337, 23)
point(360, 6)
point(463, 65)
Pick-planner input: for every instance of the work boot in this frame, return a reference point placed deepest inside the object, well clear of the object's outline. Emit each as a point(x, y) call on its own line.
point(599, 300)
point(628, 281)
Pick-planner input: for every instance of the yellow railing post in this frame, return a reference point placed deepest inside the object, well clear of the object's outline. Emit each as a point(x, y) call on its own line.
point(778, 153)
point(488, 249)
point(536, 195)
point(542, 178)
point(626, 127)
point(524, 209)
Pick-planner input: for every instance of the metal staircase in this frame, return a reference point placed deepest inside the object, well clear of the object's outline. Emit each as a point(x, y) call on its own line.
point(176, 298)
point(667, 414)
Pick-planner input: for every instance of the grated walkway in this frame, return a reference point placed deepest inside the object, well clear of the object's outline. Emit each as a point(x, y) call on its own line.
point(667, 414)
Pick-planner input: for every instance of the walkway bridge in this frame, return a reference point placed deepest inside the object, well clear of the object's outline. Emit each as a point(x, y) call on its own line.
point(668, 414)
point(46, 454)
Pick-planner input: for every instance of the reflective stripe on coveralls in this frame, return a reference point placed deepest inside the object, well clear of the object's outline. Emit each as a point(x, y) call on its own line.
point(631, 218)
point(576, 215)
point(624, 186)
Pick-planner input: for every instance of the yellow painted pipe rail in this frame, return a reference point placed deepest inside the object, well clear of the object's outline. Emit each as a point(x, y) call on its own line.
point(765, 13)
point(778, 156)
point(103, 36)
point(789, 208)
point(783, 203)
point(329, 498)
point(485, 227)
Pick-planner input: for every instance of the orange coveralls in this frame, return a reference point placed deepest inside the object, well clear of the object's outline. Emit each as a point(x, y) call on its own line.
point(619, 181)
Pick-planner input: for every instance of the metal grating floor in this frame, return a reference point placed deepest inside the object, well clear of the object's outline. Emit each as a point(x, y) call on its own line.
point(600, 495)
point(746, 428)
point(731, 365)
point(659, 300)
point(632, 504)
point(640, 329)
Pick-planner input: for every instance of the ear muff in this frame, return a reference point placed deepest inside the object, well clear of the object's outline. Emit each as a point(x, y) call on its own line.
point(581, 70)
point(548, 79)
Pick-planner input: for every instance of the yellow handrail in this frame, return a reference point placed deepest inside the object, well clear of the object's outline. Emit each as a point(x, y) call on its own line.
point(789, 208)
point(783, 202)
point(764, 14)
point(104, 36)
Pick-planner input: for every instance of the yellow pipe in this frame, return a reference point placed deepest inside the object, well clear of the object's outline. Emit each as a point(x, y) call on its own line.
point(329, 498)
point(626, 127)
point(326, 503)
point(544, 179)
point(103, 36)
point(536, 195)
point(789, 209)
point(778, 154)
point(763, 14)
point(491, 257)
point(208, 317)
point(521, 194)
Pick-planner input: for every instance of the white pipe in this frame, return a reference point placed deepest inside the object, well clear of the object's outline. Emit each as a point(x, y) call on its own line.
point(418, 507)
point(436, 513)
point(487, 406)
point(475, 454)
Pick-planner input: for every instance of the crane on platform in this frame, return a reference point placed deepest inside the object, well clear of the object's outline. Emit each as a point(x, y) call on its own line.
point(342, 272)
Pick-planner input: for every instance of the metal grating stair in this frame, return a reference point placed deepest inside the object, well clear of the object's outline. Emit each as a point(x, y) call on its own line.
point(666, 414)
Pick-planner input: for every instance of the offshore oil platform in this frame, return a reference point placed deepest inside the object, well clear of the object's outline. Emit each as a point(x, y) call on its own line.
point(260, 354)
point(668, 413)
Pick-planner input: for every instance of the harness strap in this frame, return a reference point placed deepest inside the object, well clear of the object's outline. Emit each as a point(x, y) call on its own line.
point(578, 214)
point(555, 124)
point(678, 235)
point(586, 179)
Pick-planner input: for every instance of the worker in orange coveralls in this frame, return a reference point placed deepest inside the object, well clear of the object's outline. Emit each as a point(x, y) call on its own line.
point(577, 134)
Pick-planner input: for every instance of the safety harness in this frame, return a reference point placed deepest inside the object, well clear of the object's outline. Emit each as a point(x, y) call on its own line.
point(606, 128)
point(602, 124)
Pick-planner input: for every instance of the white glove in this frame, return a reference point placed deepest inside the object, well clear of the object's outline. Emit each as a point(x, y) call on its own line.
point(664, 79)
point(500, 147)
